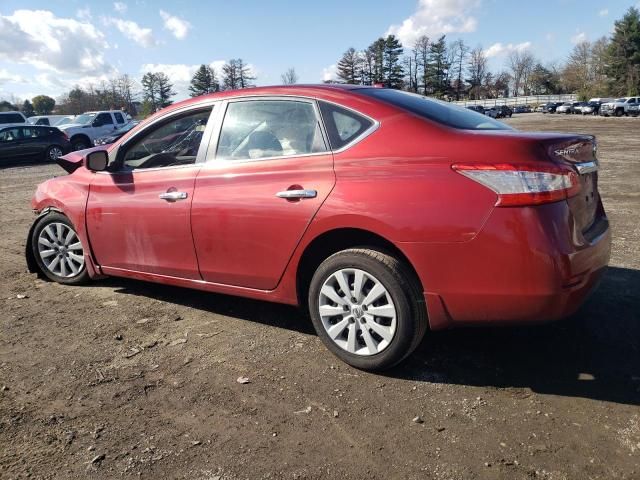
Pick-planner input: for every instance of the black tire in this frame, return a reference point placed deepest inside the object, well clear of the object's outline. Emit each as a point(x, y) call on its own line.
point(79, 143)
point(402, 286)
point(619, 112)
point(82, 276)
point(50, 155)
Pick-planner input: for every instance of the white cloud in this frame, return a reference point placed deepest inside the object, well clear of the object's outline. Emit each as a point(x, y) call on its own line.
point(130, 29)
point(177, 26)
point(46, 42)
point(579, 38)
point(330, 73)
point(8, 77)
point(434, 18)
point(604, 12)
point(180, 74)
point(498, 49)
point(120, 7)
point(84, 13)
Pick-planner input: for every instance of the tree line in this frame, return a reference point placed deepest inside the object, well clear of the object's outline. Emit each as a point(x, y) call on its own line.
point(454, 70)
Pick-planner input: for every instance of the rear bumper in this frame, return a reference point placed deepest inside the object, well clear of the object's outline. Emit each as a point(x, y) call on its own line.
point(526, 266)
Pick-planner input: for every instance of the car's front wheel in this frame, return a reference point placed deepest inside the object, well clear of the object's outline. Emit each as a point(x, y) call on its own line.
point(53, 153)
point(58, 251)
point(363, 305)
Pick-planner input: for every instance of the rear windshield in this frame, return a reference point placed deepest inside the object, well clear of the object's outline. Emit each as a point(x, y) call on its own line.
point(436, 110)
point(11, 118)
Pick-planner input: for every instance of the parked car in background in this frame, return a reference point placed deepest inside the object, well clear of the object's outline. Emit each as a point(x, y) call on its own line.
point(491, 112)
point(566, 107)
point(551, 107)
point(278, 197)
point(66, 120)
point(540, 108)
point(18, 142)
point(619, 107)
point(522, 109)
point(12, 118)
point(49, 120)
point(577, 107)
point(504, 111)
point(591, 108)
point(91, 125)
point(476, 108)
point(116, 135)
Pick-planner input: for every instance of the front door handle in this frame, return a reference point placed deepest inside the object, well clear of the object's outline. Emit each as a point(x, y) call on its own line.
point(292, 194)
point(173, 196)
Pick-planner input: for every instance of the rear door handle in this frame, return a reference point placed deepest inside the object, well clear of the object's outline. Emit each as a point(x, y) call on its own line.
point(289, 194)
point(173, 196)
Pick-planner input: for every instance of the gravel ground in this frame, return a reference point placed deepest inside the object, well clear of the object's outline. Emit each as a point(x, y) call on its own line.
point(127, 379)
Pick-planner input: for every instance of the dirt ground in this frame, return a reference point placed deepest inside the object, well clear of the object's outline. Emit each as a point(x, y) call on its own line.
point(127, 379)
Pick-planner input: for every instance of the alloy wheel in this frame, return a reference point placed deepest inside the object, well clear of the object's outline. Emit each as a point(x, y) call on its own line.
point(357, 312)
point(60, 250)
point(55, 153)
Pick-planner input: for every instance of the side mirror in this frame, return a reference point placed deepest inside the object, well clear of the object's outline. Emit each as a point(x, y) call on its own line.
point(97, 161)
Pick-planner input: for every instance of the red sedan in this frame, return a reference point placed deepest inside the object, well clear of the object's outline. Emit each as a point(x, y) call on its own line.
point(382, 212)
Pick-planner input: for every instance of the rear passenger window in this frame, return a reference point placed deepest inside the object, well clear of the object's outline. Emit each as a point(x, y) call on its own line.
point(119, 118)
point(343, 126)
point(258, 129)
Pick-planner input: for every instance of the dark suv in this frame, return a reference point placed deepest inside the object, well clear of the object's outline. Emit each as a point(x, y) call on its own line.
point(18, 142)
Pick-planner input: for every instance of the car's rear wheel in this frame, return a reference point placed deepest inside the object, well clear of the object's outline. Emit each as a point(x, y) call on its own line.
point(53, 153)
point(363, 305)
point(58, 251)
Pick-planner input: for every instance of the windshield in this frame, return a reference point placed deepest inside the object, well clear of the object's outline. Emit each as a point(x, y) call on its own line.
point(85, 118)
point(435, 110)
point(64, 121)
point(621, 100)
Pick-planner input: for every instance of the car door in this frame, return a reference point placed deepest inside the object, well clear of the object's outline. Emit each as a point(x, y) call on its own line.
point(103, 125)
point(32, 142)
point(254, 199)
point(138, 213)
point(9, 143)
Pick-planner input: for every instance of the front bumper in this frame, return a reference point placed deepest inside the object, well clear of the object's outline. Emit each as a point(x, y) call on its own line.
point(525, 266)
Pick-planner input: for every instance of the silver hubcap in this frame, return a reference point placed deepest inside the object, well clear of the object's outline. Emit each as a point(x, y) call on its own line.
point(357, 312)
point(60, 250)
point(54, 153)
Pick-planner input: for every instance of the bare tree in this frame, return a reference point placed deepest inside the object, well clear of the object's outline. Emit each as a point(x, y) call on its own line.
point(521, 63)
point(459, 52)
point(290, 77)
point(477, 70)
point(421, 55)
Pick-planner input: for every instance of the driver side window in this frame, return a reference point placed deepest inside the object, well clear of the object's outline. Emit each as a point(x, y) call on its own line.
point(171, 143)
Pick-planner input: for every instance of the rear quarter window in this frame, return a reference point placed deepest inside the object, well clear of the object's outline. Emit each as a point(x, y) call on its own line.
point(343, 126)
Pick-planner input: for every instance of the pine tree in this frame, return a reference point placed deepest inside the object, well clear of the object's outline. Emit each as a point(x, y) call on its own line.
point(237, 74)
point(150, 90)
point(393, 70)
point(27, 109)
point(204, 81)
point(624, 55)
point(165, 90)
point(438, 67)
point(349, 68)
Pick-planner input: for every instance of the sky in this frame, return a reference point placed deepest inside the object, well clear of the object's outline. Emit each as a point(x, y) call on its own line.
point(47, 47)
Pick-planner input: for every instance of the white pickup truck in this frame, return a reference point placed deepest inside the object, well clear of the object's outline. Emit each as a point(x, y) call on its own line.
point(620, 107)
point(91, 125)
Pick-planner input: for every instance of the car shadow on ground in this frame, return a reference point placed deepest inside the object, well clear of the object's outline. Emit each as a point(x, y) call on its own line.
point(594, 354)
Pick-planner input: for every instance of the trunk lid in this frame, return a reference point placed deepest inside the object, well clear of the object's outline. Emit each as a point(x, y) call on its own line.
point(579, 152)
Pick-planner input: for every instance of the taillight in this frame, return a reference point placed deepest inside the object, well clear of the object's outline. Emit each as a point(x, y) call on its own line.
point(518, 185)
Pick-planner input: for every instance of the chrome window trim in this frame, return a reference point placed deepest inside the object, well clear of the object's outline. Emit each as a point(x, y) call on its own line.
point(212, 153)
point(202, 149)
